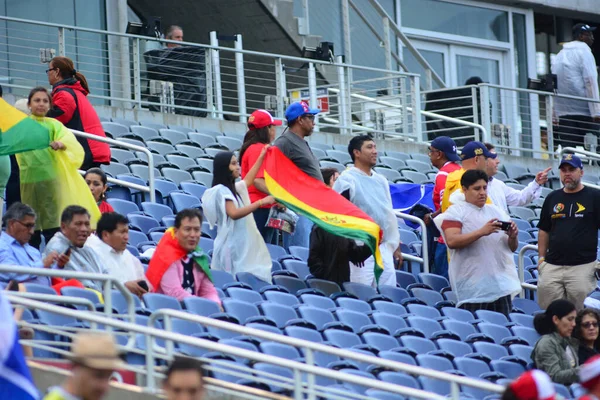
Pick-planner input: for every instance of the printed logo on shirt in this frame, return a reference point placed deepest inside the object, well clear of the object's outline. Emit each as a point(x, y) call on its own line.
point(558, 211)
point(580, 208)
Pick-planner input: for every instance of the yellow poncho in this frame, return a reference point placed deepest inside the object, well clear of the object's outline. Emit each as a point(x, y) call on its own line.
point(50, 181)
point(452, 185)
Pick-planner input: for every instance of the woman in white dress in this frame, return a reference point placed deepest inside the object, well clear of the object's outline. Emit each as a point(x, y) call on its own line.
point(239, 246)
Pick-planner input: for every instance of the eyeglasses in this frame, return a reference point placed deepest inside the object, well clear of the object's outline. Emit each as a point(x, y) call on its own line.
point(50, 69)
point(29, 226)
point(432, 150)
point(309, 116)
point(588, 325)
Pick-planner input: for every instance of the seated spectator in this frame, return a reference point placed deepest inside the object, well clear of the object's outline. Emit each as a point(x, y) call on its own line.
point(72, 107)
point(50, 179)
point(589, 376)
point(482, 268)
point(586, 331)
point(178, 267)
point(556, 351)
point(98, 183)
point(532, 385)
point(74, 231)
point(239, 247)
point(330, 255)
point(184, 375)
point(16, 250)
point(110, 244)
point(95, 356)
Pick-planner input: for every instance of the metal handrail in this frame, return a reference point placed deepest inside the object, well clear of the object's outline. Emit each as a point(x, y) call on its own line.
point(424, 260)
point(151, 333)
point(145, 150)
point(312, 347)
point(521, 268)
point(108, 280)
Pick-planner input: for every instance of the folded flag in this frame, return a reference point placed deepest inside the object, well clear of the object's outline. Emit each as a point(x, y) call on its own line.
point(167, 252)
point(407, 195)
point(323, 206)
point(18, 133)
point(15, 379)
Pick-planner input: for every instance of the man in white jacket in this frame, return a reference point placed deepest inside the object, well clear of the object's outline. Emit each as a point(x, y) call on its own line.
point(576, 72)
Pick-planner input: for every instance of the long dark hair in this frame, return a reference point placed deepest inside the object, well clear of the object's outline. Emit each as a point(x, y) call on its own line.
point(254, 136)
point(222, 174)
point(543, 323)
point(38, 90)
point(577, 332)
point(101, 174)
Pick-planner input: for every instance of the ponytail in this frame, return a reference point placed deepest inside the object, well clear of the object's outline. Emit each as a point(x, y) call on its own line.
point(67, 70)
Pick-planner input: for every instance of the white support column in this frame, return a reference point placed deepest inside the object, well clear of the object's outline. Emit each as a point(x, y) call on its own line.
point(312, 91)
point(343, 109)
point(280, 83)
point(216, 66)
point(241, 82)
point(119, 68)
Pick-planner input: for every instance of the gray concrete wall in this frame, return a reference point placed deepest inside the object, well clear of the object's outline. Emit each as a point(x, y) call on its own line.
point(583, 8)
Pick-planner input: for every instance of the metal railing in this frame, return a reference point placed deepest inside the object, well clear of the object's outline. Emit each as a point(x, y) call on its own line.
point(424, 259)
point(521, 268)
point(146, 189)
point(304, 374)
point(107, 280)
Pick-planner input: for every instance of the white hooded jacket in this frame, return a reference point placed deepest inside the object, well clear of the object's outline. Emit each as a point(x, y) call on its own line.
point(575, 68)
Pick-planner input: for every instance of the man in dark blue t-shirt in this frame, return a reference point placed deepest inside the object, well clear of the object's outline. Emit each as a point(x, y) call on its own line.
point(568, 238)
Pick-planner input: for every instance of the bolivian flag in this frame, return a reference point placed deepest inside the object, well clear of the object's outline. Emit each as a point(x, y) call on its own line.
point(18, 133)
point(167, 252)
point(323, 206)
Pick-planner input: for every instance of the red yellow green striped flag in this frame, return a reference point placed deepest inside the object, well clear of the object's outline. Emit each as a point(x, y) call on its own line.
point(18, 133)
point(323, 206)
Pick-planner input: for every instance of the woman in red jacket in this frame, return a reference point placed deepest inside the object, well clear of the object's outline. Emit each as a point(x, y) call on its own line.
point(72, 107)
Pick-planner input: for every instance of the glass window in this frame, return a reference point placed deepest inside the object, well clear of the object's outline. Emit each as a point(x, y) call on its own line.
point(434, 58)
point(457, 19)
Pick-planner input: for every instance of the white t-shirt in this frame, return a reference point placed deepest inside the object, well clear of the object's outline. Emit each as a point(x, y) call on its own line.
point(485, 270)
point(124, 266)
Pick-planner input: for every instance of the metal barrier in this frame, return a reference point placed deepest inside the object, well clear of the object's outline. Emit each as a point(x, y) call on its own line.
point(300, 386)
point(148, 153)
point(521, 268)
point(424, 259)
point(108, 283)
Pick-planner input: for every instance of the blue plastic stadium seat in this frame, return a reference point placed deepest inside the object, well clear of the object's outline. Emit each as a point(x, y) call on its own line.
point(143, 222)
point(357, 321)
point(243, 311)
point(354, 304)
point(251, 280)
point(156, 301)
point(279, 313)
point(390, 322)
point(156, 211)
point(521, 351)
point(327, 287)
point(123, 206)
point(399, 378)
point(244, 295)
point(436, 282)
point(458, 314)
point(395, 293)
point(455, 347)
point(299, 252)
point(525, 320)
point(527, 333)
point(425, 325)
point(81, 293)
point(242, 344)
point(280, 350)
point(316, 316)
point(405, 278)
point(430, 297)
point(397, 356)
point(342, 339)
point(357, 388)
point(207, 245)
point(423, 311)
point(512, 370)
point(496, 332)
point(389, 308)
point(300, 268)
point(492, 317)
point(462, 329)
point(182, 201)
point(314, 300)
point(420, 345)
point(380, 341)
point(220, 278)
point(362, 291)
point(276, 386)
point(276, 251)
point(281, 298)
point(528, 306)
point(201, 306)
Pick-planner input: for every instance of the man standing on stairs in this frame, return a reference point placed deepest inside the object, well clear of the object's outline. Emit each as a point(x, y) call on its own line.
point(371, 193)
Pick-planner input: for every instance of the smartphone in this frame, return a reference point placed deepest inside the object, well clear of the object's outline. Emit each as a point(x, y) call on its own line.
point(143, 285)
point(67, 252)
point(504, 225)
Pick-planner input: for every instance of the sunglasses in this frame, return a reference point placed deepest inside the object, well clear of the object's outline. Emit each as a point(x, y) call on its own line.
point(50, 69)
point(588, 325)
point(309, 116)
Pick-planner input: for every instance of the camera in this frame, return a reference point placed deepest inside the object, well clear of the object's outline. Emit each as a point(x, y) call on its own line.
point(504, 225)
point(548, 83)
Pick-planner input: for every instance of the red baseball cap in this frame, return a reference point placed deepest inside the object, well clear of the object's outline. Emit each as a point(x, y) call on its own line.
point(261, 118)
point(533, 385)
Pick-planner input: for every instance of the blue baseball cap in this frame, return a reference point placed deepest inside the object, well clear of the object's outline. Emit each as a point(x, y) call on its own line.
point(572, 160)
point(474, 149)
point(298, 109)
point(447, 146)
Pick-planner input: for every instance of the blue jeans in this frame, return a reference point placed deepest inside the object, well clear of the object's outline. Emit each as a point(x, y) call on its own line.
point(270, 235)
point(301, 236)
point(440, 263)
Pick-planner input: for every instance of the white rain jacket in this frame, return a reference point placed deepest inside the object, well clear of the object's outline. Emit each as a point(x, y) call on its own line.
point(238, 247)
point(577, 75)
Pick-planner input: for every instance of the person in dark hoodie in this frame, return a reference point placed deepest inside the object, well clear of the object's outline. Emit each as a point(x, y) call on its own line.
point(72, 107)
point(329, 255)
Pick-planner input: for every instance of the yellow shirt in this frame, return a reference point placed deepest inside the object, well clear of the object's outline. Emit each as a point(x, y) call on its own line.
point(452, 185)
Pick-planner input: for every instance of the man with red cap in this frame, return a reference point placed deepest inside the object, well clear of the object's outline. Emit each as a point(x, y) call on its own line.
point(589, 377)
point(532, 385)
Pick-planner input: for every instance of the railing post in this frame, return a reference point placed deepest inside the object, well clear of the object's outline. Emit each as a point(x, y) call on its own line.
point(309, 359)
point(312, 91)
point(486, 118)
point(137, 79)
point(346, 32)
point(387, 46)
point(210, 92)
point(280, 83)
point(150, 379)
point(107, 286)
point(62, 46)
point(241, 83)
point(550, 122)
point(405, 99)
point(216, 69)
point(342, 95)
point(416, 109)
point(475, 105)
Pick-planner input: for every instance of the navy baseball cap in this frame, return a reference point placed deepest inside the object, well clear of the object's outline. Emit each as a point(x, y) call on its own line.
point(474, 149)
point(447, 146)
point(572, 160)
point(298, 109)
point(581, 28)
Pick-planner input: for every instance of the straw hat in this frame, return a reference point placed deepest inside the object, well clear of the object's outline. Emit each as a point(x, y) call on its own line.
point(96, 350)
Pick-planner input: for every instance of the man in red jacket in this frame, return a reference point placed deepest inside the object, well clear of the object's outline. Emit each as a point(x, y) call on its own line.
point(71, 106)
